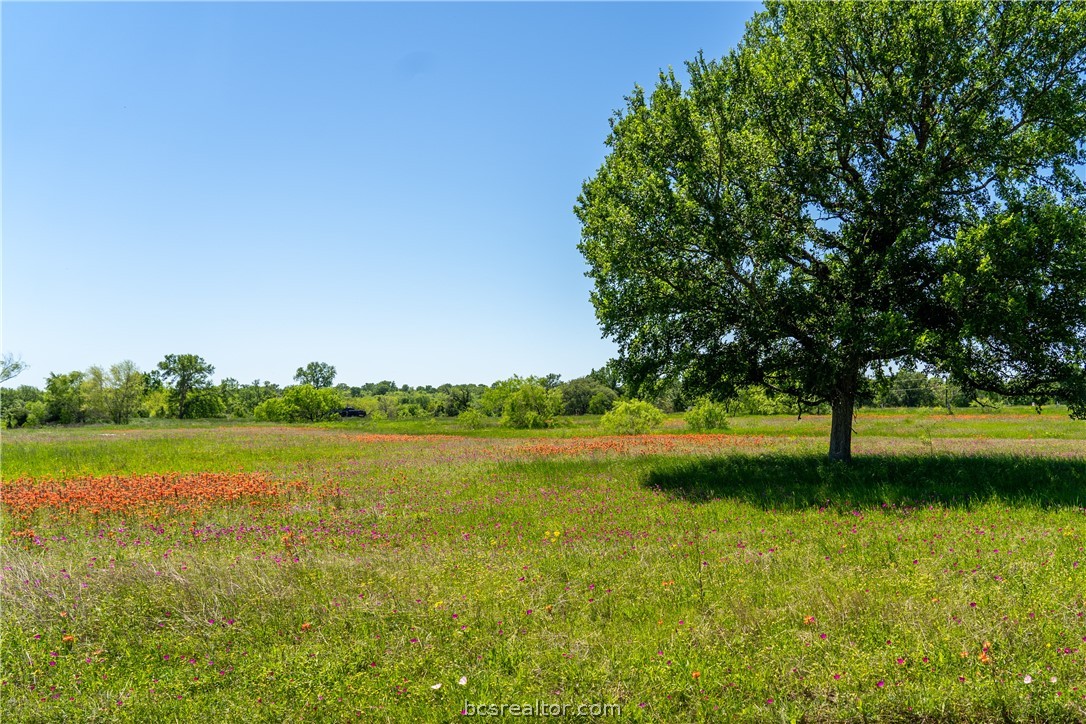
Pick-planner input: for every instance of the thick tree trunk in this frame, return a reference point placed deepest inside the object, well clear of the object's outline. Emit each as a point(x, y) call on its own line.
point(843, 405)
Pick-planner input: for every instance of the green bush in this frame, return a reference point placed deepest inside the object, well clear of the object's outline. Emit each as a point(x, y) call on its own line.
point(36, 413)
point(272, 410)
point(706, 415)
point(631, 417)
point(472, 419)
point(531, 406)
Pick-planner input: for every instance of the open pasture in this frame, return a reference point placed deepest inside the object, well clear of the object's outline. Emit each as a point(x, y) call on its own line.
point(345, 572)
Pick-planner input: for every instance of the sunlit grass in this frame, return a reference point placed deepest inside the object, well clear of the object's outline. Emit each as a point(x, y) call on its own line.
point(698, 583)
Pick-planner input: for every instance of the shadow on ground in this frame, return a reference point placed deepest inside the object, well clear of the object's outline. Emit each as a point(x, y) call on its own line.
point(810, 481)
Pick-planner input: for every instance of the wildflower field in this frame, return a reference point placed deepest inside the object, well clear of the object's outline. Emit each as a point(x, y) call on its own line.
point(384, 572)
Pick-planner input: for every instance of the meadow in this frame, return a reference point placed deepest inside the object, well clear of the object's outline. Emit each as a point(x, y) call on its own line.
point(416, 571)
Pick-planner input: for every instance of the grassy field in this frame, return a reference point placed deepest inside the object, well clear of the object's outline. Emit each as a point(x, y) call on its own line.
point(412, 571)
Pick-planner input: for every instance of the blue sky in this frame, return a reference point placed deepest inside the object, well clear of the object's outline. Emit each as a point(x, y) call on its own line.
point(384, 187)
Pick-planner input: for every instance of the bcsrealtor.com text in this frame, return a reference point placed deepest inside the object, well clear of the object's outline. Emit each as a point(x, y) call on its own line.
point(540, 708)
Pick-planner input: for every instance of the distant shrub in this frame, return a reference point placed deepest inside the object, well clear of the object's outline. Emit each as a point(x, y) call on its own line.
point(36, 412)
point(471, 419)
point(272, 410)
point(602, 402)
point(706, 415)
point(631, 417)
point(754, 401)
point(412, 411)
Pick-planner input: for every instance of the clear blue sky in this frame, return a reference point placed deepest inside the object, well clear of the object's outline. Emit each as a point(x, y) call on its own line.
point(384, 187)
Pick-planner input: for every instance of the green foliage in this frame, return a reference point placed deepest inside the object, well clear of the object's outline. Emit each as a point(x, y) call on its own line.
point(124, 389)
point(631, 417)
point(36, 413)
point(602, 402)
point(92, 392)
point(300, 403)
point(856, 183)
point(273, 409)
point(316, 374)
point(531, 406)
point(492, 400)
point(155, 403)
point(412, 411)
point(457, 399)
point(112, 396)
point(389, 406)
point(187, 374)
point(753, 400)
point(203, 403)
point(471, 419)
point(63, 398)
point(305, 403)
point(13, 404)
point(707, 415)
point(609, 376)
point(577, 395)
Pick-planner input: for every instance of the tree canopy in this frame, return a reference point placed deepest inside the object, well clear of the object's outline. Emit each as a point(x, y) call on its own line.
point(856, 184)
point(316, 374)
point(187, 374)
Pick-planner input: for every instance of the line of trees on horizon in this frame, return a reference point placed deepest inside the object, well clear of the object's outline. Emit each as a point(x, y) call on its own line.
point(182, 386)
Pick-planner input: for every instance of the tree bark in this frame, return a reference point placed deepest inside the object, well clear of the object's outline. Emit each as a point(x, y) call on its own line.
point(843, 404)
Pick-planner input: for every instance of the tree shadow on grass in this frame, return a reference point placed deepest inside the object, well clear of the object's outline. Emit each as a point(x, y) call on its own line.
point(793, 481)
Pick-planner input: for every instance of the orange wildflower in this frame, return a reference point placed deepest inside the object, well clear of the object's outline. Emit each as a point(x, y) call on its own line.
point(137, 493)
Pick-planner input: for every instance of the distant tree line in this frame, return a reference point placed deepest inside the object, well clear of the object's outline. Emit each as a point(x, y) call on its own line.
point(181, 386)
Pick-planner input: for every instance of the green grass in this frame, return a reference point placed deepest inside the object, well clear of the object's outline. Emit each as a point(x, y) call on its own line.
point(423, 567)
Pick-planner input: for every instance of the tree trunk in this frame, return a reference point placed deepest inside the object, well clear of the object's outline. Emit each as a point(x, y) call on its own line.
point(843, 404)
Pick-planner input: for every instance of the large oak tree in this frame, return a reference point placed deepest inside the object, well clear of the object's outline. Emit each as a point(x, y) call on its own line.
point(855, 185)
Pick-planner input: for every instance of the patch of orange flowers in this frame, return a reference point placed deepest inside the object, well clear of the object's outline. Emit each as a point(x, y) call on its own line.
point(137, 493)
